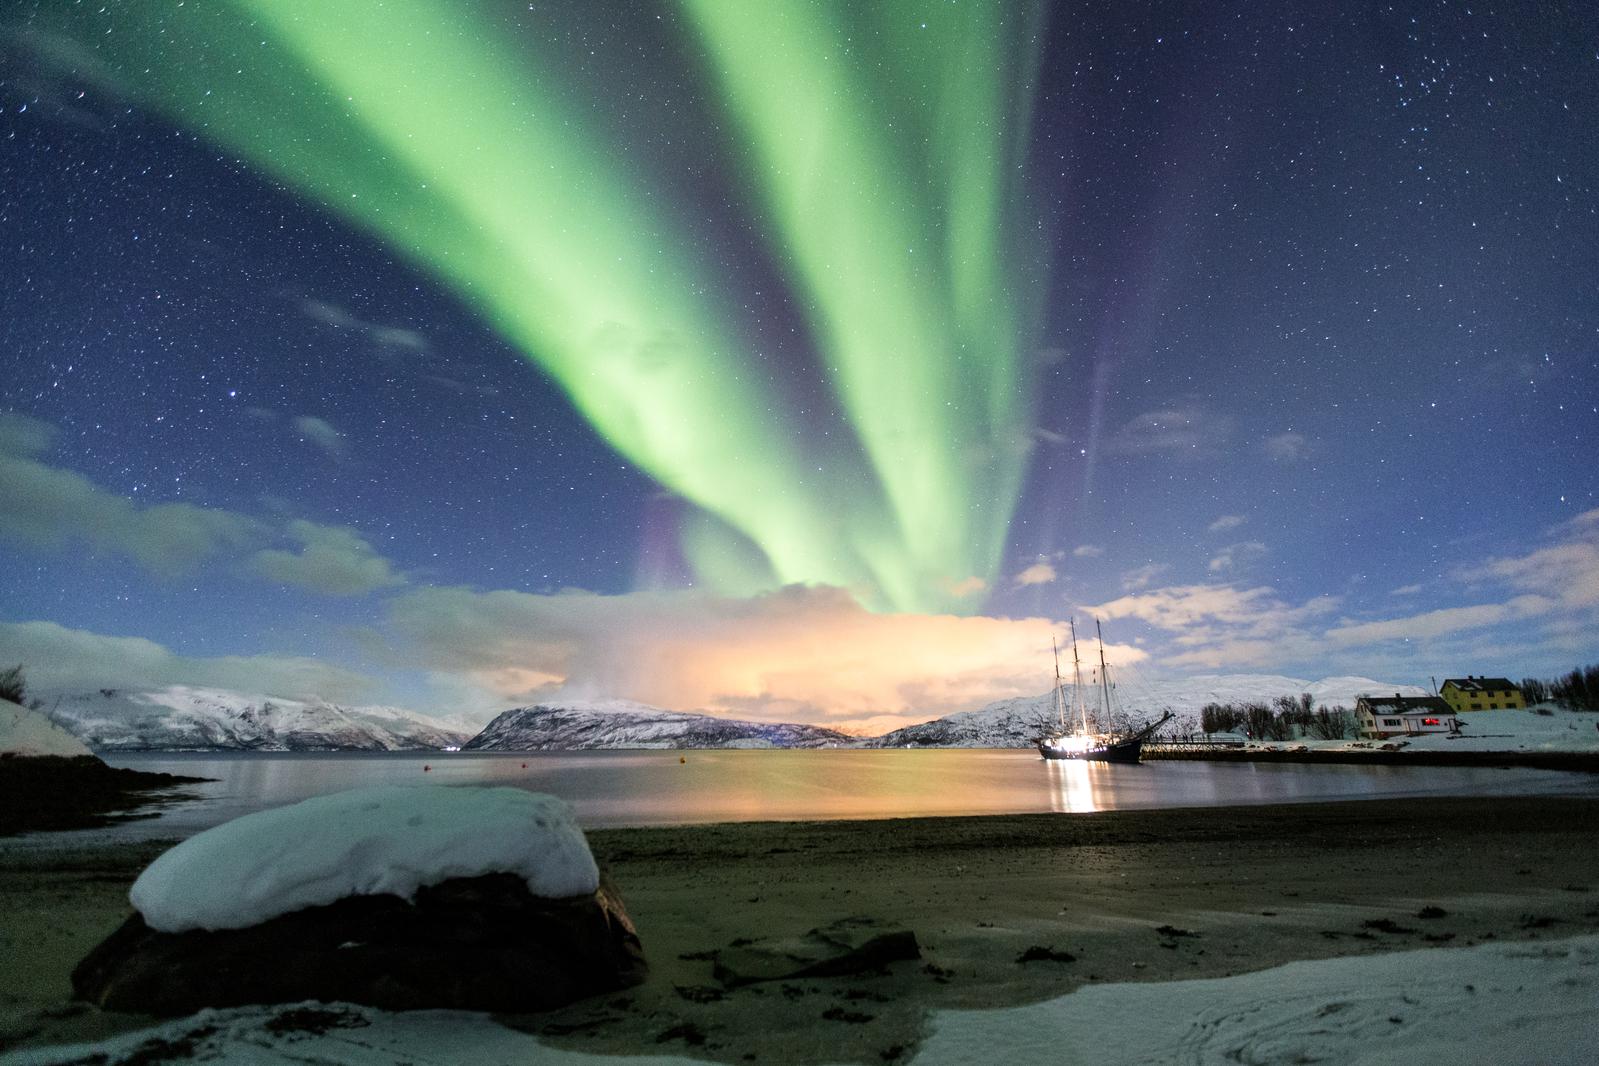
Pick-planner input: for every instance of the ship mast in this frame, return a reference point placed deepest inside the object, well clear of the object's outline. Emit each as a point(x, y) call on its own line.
point(1060, 700)
point(1077, 679)
point(1104, 676)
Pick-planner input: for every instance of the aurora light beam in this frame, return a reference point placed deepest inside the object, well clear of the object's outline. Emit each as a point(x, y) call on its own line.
point(882, 146)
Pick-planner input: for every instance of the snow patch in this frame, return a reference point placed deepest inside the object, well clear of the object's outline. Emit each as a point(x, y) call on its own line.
point(24, 731)
point(370, 841)
point(1526, 1004)
point(1529, 1004)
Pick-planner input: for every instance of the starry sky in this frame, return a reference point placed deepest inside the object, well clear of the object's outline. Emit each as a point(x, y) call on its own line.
point(797, 360)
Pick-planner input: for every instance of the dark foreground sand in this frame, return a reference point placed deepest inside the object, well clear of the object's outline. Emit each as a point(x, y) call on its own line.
point(1140, 896)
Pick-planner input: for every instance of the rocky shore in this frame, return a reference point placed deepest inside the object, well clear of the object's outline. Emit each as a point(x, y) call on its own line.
point(44, 792)
point(1005, 911)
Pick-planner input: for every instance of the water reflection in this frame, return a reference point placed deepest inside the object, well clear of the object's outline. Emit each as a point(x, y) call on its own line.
point(1074, 781)
point(641, 788)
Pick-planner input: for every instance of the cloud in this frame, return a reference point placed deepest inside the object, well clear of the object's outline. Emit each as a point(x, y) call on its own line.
point(49, 507)
point(320, 432)
point(795, 651)
point(22, 435)
point(1142, 577)
point(62, 659)
point(1226, 522)
point(54, 74)
point(1566, 574)
point(1237, 556)
point(1186, 605)
point(1213, 626)
point(1557, 585)
point(969, 586)
point(383, 336)
point(1040, 573)
point(1549, 597)
point(1186, 430)
point(1088, 551)
point(1286, 447)
point(1049, 436)
point(1432, 624)
point(333, 560)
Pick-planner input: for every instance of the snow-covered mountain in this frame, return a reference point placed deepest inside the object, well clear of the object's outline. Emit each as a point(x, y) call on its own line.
point(181, 718)
point(620, 724)
point(1014, 722)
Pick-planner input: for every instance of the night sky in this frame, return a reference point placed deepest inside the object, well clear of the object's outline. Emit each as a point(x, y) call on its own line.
point(802, 361)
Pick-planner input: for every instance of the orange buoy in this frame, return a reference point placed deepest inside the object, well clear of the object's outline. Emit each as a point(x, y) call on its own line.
point(682, 759)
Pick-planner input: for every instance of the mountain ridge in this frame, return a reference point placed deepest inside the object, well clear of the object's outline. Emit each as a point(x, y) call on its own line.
point(193, 718)
point(558, 728)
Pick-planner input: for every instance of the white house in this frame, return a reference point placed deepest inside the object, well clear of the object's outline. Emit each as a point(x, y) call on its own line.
point(1381, 717)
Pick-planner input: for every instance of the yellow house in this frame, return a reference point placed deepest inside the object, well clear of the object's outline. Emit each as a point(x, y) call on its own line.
point(1481, 694)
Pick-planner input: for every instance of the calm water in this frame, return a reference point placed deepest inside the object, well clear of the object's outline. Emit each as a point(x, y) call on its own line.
point(640, 788)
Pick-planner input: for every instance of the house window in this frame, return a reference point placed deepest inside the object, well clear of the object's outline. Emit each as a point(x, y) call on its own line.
point(1391, 721)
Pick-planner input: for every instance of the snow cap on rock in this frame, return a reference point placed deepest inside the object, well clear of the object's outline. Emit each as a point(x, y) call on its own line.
point(365, 842)
point(25, 731)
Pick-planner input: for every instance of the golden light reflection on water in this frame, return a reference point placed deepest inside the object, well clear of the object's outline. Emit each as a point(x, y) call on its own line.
point(1072, 784)
point(642, 788)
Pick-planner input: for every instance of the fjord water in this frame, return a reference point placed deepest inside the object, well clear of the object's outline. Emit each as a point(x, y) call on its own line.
point(644, 788)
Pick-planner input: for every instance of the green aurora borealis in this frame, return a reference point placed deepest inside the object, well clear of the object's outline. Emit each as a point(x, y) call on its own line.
point(878, 151)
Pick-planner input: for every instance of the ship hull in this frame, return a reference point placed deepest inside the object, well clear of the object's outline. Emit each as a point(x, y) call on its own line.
point(1125, 752)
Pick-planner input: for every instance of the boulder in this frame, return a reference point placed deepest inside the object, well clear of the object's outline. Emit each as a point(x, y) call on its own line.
point(470, 943)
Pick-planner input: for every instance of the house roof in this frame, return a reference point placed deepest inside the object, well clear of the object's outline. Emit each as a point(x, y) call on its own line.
point(1481, 684)
point(1397, 704)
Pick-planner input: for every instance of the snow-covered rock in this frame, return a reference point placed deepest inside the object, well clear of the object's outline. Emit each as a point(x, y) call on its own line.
point(1014, 722)
point(183, 718)
point(374, 841)
point(618, 724)
point(25, 731)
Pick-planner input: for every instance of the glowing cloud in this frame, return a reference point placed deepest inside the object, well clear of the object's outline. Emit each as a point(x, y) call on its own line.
point(889, 192)
point(796, 654)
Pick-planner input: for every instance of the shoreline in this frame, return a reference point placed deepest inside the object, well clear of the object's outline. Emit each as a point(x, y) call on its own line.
point(1146, 895)
point(1586, 762)
point(43, 793)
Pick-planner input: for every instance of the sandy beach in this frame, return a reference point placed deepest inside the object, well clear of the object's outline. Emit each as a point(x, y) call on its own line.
point(1108, 897)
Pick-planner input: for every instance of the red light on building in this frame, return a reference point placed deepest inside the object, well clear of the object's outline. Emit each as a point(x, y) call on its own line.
point(1429, 721)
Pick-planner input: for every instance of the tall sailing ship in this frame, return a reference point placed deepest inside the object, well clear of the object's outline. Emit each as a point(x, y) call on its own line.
point(1074, 739)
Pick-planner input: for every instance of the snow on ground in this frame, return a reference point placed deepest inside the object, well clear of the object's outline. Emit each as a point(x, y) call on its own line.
point(1549, 728)
point(1012, 723)
point(1508, 1004)
point(29, 732)
point(368, 841)
point(1511, 1004)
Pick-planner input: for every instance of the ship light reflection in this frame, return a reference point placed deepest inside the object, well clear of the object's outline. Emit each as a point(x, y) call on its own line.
point(1072, 786)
